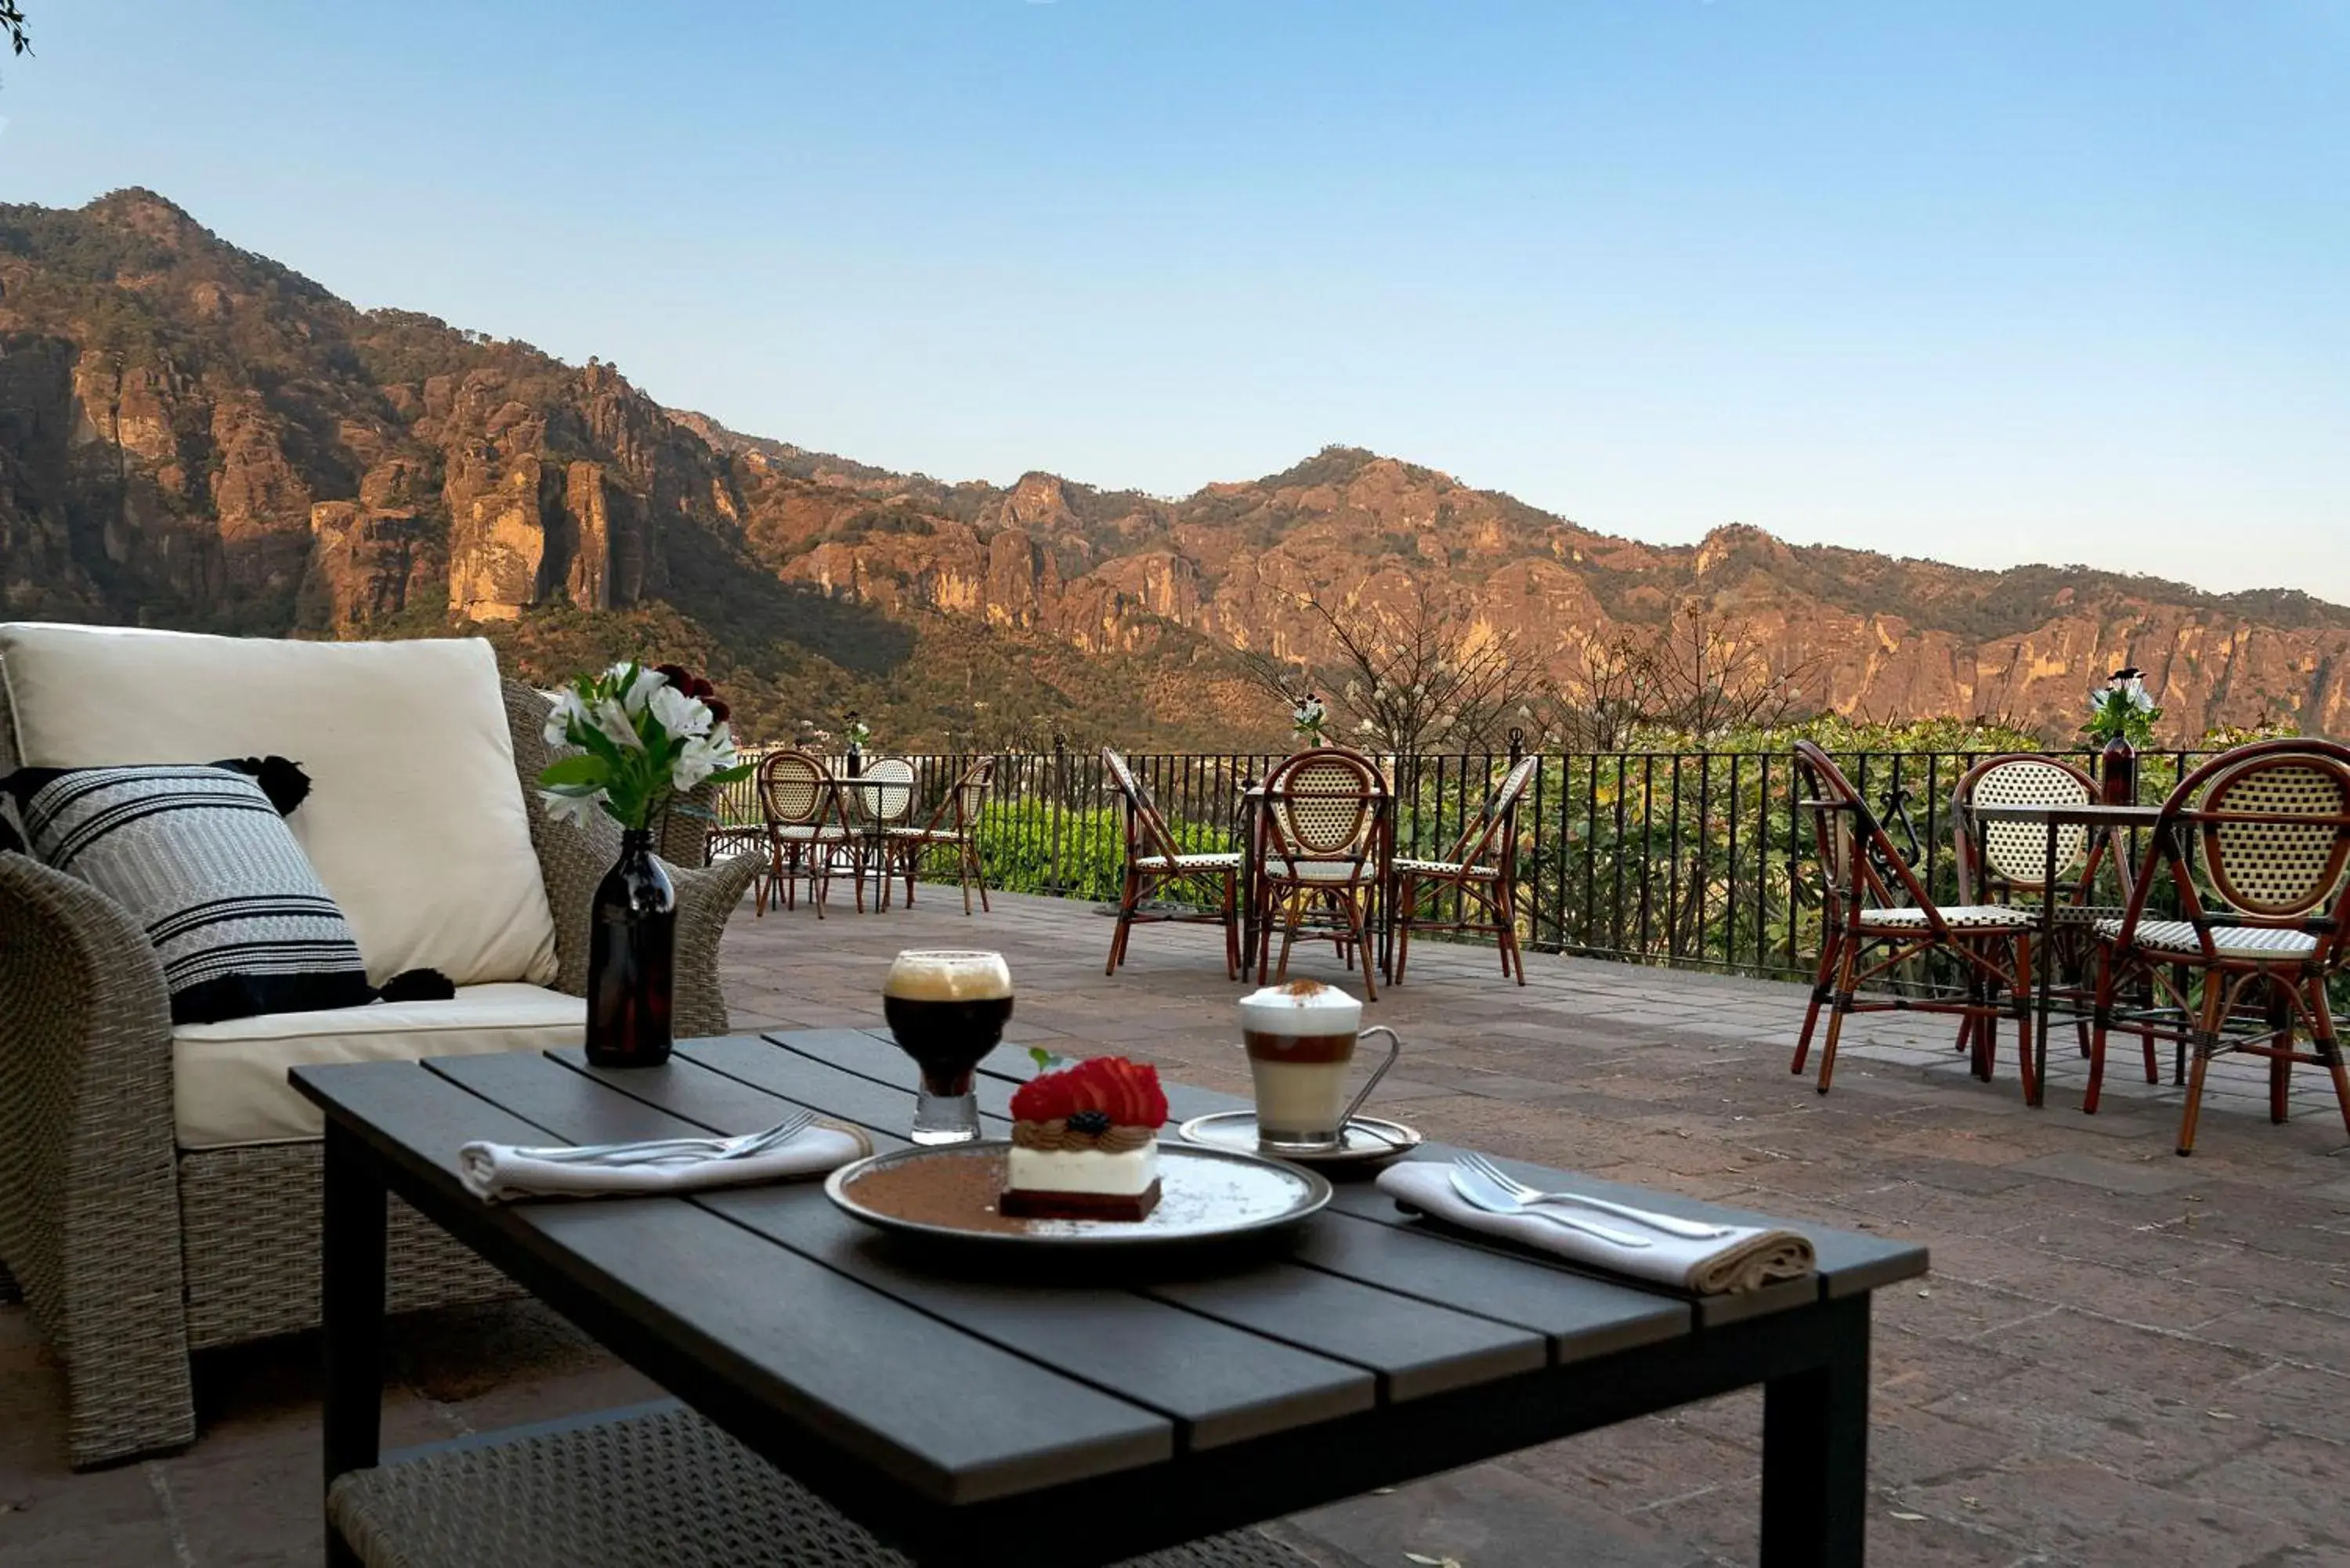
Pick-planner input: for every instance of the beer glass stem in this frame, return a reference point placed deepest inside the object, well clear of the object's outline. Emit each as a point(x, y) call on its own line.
point(949, 1117)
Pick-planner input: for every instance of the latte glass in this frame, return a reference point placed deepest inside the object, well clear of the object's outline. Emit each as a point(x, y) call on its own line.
point(1301, 1039)
point(947, 1009)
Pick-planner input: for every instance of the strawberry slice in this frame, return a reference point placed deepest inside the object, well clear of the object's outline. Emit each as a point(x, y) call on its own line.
point(1126, 1092)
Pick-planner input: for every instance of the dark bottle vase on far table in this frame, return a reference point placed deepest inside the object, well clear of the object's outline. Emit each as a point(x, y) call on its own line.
point(631, 950)
point(2118, 772)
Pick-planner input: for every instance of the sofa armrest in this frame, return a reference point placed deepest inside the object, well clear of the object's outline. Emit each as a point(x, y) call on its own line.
point(89, 1210)
point(707, 897)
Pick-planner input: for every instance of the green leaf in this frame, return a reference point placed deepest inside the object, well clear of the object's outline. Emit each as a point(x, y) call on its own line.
point(582, 770)
point(728, 775)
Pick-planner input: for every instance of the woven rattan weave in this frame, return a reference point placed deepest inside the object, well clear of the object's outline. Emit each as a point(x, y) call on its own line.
point(129, 1252)
point(665, 1489)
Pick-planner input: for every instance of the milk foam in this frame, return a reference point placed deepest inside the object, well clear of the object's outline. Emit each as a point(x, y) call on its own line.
point(948, 975)
point(1301, 1007)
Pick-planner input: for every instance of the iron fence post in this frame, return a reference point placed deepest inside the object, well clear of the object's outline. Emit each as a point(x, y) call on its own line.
point(1059, 807)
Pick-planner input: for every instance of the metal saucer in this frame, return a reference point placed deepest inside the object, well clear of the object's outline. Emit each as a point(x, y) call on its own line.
point(1371, 1142)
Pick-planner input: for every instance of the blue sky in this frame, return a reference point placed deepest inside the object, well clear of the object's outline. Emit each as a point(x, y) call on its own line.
point(1993, 281)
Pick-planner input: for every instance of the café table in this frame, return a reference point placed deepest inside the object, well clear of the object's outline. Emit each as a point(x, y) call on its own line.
point(872, 813)
point(958, 1413)
point(2107, 827)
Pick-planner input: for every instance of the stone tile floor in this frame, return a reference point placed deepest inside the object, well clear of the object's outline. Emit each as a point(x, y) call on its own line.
point(2121, 1356)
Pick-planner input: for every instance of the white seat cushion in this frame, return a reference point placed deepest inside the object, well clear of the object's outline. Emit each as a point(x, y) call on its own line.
point(2233, 941)
point(416, 821)
point(1188, 863)
point(812, 833)
point(1448, 868)
point(1957, 916)
point(228, 1079)
point(1320, 870)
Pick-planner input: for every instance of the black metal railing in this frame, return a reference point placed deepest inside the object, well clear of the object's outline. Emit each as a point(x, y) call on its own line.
point(1702, 858)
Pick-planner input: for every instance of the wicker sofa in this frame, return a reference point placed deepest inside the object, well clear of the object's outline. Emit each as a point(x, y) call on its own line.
point(133, 1249)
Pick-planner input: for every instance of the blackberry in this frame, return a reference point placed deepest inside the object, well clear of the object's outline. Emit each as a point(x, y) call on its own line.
point(1095, 1122)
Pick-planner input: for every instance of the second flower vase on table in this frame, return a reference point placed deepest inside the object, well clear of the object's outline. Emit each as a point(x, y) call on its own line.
point(2118, 772)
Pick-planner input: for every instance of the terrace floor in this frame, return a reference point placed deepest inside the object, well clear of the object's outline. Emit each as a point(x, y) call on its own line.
point(2121, 1356)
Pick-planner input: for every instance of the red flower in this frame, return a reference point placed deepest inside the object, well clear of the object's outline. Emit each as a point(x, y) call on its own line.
point(719, 711)
point(676, 675)
point(1126, 1092)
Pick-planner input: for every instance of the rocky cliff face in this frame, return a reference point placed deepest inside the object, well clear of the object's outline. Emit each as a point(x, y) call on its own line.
point(191, 435)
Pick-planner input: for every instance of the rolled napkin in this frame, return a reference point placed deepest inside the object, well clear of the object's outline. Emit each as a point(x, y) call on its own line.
point(1747, 1259)
point(498, 1173)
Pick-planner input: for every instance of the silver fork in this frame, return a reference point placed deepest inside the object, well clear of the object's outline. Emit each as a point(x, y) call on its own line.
point(654, 1151)
point(1478, 1191)
point(1689, 1229)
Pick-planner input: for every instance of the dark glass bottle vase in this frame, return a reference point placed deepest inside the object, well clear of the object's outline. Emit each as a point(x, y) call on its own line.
point(2118, 772)
point(632, 946)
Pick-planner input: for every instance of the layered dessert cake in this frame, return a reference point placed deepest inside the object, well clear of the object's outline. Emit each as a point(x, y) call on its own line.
point(1085, 1143)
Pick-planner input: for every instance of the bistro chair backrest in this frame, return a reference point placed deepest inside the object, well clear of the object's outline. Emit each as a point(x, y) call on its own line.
point(795, 789)
point(2276, 828)
point(888, 795)
point(1494, 818)
point(2016, 853)
point(970, 793)
point(1858, 859)
point(1322, 804)
point(1146, 830)
point(2272, 821)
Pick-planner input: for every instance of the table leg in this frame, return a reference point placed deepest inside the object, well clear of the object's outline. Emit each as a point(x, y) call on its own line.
point(2046, 999)
point(1816, 1452)
point(351, 1312)
point(1248, 890)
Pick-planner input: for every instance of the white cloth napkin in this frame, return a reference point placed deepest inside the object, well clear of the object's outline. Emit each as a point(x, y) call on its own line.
point(1747, 1259)
point(498, 1173)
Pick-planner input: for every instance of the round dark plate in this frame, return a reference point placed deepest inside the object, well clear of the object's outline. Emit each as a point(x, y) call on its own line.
point(1370, 1140)
point(1204, 1195)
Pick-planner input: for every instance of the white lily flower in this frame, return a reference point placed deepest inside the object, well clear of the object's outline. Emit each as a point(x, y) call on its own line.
point(677, 713)
point(575, 809)
point(641, 691)
point(722, 743)
point(567, 706)
point(696, 762)
point(613, 720)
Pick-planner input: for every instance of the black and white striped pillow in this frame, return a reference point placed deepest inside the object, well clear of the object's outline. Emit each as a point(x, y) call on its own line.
point(201, 857)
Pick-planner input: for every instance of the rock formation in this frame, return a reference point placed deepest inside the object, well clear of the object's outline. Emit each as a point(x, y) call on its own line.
point(192, 435)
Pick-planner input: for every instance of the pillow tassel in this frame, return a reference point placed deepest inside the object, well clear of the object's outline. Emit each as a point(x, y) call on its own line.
point(419, 985)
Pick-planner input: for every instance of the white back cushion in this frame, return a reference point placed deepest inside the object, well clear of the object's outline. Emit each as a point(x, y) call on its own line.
point(415, 821)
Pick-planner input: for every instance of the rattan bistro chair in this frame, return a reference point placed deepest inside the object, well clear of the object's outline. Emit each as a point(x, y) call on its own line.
point(1481, 873)
point(2006, 862)
point(1321, 826)
point(953, 826)
point(1876, 914)
point(134, 1252)
point(2263, 928)
point(806, 825)
point(1154, 862)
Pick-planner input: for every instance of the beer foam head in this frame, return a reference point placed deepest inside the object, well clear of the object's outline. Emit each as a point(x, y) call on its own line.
point(949, 975)
point(1301, 1007)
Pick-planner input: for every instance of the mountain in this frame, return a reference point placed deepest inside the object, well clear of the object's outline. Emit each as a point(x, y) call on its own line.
point(192, 435)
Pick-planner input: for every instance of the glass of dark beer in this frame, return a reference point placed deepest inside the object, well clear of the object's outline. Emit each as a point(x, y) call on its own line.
point(946, 1009)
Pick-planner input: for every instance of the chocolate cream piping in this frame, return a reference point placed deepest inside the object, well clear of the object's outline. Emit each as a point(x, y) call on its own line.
point(1057, 1137)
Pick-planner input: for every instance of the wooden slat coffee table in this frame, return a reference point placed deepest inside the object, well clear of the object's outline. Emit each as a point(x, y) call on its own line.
point(1084, 1419)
